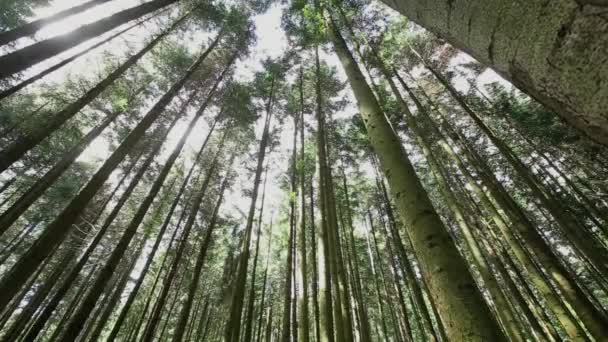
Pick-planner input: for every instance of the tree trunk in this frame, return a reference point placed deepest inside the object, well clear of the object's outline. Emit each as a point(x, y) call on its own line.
point(461, 307)
point(233, 326)
point(555, 61)
point(161, 232)
point(287, 297)
point(185, 310)
point(192, 215)
point(61, 226)
point(251, 300)
point(24, 58)
point(23, 144)
point(303, 316)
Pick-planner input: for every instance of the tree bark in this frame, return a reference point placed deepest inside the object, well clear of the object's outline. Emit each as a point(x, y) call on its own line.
point(548, 50)
point(461, 307)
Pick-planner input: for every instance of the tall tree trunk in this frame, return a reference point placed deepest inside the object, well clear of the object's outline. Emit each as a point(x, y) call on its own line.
point(61, 226)
point(326, 320)
point(32, 27)
point(505, 314)
point(24, 58)
point(538, 56)
point(233, 326)
point(200, 259)
point(264, 282)
point(251, 299)
point(303, 318)
point(116, 295)
point(287, 296)
point(461, 307)
point(23, 144)
point(161, 232)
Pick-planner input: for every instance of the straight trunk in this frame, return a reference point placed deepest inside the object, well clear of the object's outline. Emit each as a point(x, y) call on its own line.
point(185, 310)
point(555, 61)
point(461, 307)
point(303, 316)
point(251, 300)
point(233, 326)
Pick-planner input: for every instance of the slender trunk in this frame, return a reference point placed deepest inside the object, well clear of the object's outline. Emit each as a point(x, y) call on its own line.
point(185, 310)
point(264, 282)
point(233, 326)
point(161, 232)
point(192, 215)
point(251, 300)
point(61, 226)
point(326, 319)
point(23, 144)
point(114, 299)
point(24, 58)
point(287, 297)
point(303, 318)
point(461, 307)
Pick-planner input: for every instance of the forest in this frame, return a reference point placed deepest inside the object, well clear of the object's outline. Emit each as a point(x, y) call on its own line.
point(303, 170)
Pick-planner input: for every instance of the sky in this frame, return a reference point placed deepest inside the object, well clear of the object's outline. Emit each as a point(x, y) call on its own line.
point(271, 42)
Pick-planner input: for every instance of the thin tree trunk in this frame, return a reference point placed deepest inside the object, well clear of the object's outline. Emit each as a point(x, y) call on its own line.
point(287, 296)
point(233, 326)
point(185, 310)
point(303, 318)
point(251, 300)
